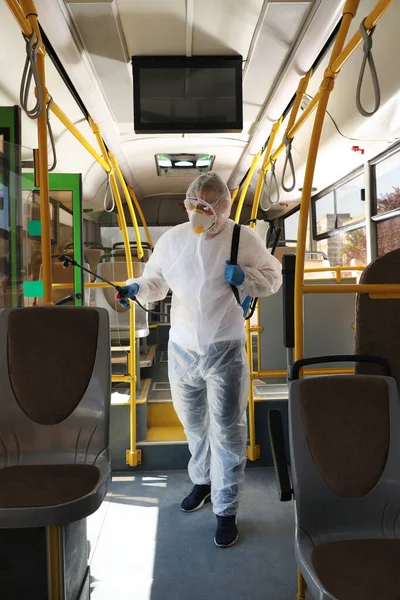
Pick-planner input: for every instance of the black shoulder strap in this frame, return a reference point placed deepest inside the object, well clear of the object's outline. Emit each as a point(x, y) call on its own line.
point(234, 256)
point(235, 244)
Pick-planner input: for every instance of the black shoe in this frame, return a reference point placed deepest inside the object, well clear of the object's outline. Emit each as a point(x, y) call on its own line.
point(197, 497)
point(227, 532)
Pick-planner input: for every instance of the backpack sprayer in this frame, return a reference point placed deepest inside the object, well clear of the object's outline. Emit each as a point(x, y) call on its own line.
point(67, 261)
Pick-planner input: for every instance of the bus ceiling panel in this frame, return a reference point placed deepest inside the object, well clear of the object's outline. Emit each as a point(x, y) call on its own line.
point(162, 28)
point(276, 36)
point(226, 150)
point(100, 29)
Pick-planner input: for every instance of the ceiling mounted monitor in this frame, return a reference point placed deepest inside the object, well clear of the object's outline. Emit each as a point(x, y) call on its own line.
point(175, 94)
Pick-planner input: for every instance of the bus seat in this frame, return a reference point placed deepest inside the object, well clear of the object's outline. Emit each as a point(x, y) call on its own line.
point(54, 446)
point(119, 255)
point(105, 298)
point(310, 263)
point(345, 453)
point(378, 321)
point(281, 250)
point(93, 258)
point(54, 414)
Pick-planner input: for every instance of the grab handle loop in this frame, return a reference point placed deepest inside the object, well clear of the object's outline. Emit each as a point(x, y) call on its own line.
point(288, 161)
point(273, 180)
point(367, 49)
point(51, 135)
point(30, 70)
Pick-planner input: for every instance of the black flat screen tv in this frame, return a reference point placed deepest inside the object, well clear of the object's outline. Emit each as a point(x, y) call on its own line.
point(176, 94)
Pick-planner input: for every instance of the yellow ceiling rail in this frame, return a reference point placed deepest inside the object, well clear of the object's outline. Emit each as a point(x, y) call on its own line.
point(260, 182)
point(141, 215)
point(128, 200)
point(246, 184)
point(300, 92)
point(334, 69)
point(370, 22)
point(296, 127)
point(19, 10)
point(56, 110)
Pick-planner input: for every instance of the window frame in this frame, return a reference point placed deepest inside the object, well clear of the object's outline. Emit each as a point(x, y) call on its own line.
point(380, 158)
point(290, 213)
point(332, 188)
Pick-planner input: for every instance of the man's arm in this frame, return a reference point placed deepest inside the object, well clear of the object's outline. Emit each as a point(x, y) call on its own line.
point(263, 272)
point(152, 285)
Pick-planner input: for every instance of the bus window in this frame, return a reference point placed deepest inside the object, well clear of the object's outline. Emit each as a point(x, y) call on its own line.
point(387, 176)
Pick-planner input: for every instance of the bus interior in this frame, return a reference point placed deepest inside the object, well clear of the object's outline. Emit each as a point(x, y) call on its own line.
point(93, 457)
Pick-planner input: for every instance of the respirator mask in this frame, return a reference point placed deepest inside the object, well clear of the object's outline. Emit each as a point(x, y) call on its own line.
point(202, 216)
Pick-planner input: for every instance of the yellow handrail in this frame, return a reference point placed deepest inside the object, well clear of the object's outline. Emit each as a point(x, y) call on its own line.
point(141, 215)
point(362, 288)
point(253, 451)
point(335, 67)
point(19, 10)
point(246, 184)
point(300, 92)
point(56, 110)
point(276, 373)
point(128, 200)
point(338, 270)
point(325, 89)
point(260, 182)
point(133, 455)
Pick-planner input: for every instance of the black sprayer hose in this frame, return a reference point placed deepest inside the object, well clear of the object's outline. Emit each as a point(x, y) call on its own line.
point(67, 261)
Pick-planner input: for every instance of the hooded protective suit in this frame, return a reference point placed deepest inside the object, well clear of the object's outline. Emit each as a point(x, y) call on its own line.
point(207, 363)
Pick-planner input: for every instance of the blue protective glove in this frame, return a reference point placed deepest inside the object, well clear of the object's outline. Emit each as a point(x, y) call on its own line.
point(127, 291)
point(234, 274)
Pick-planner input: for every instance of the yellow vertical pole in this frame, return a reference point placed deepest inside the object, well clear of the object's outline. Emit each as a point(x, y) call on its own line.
point(129, 204)
point(253, 451)
point(301, 586)
point(326, 87)
point(234, 194)
point(133, 455)
point(246, 184)
point(260, 182)
point(30, 11)
point(141, 215)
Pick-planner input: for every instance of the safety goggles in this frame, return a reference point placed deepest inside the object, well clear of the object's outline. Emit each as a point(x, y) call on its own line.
point(194, 203)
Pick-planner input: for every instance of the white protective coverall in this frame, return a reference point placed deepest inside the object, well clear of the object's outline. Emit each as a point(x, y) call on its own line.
point(207, 363)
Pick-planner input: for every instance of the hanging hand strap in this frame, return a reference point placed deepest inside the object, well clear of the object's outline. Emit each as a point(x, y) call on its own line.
point(271, 181)
point(234, 256)
point(288, 161)
point(367, 48)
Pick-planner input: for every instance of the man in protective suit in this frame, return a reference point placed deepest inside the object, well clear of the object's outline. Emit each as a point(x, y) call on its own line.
point(207, 363)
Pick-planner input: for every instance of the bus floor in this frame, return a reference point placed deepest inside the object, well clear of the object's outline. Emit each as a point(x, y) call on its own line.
point(143, 547)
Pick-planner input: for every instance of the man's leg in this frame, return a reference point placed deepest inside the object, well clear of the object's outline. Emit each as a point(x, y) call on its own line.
point(188, 391)
point(227, 394)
